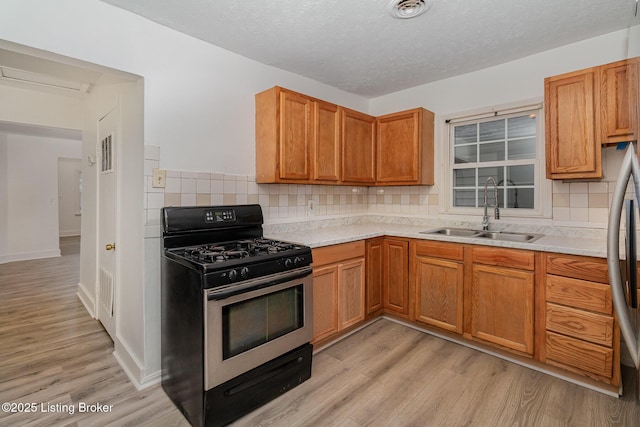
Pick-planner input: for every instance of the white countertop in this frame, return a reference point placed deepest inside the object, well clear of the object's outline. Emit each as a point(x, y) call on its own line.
point(316, 235)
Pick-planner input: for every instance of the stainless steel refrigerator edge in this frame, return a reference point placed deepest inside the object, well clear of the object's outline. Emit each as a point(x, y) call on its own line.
point(627, 316)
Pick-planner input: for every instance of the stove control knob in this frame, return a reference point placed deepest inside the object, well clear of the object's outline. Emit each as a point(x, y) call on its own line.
point(244, 273)
point(288, 263)
point(233, 275)
point(297, 261)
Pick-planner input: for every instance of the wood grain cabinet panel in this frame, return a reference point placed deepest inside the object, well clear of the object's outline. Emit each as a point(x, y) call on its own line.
point(351, 292)
point(579, 267)
point(572, 148)
point(591, 327)
point(284, 136)
point(326, 153)
point(405, 148)
point(374, 302)
point(574, 353)
point(581, 334)
point(579, 294)
point(586, 109)
point(396, 276)
point(502, 307)
point(438, 292)
point(325, 302)
point(338, 289)
point(358, 147)
point(619, 99)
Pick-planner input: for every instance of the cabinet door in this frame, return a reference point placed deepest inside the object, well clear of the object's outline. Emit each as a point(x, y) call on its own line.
point(396, 276)
point(439, 290)
point(619, 101)
point(374, 276)
point(502, 306)
point(398, 147)
point(572, 148)
point(326, 142)
point(404, 148)
point(325, 302)
point(351, 292)
point(295, 136)
point(358, 147)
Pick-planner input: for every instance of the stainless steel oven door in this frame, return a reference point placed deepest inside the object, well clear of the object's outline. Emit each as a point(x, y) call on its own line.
point(252, 322)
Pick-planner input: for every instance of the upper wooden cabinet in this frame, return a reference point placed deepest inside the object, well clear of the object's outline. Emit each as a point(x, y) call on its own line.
point(283, 136)
point(405, 148)
point(358, 147)
point(303, 140)
point(619, 101)
point(587, 109)
point(572, 148)
point(325, 154)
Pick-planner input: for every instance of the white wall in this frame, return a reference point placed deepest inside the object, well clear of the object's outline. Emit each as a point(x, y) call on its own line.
point(20, 105)
point(69, 219)
point(513, 81)
point(199, 99)
point(32, 194)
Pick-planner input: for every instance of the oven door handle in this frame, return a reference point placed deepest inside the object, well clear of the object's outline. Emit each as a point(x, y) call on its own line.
point(227, 291)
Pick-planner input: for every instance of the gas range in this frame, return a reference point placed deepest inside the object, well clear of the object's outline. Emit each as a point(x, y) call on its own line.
point(236, 312)
point(225, 244)
point(229, 262)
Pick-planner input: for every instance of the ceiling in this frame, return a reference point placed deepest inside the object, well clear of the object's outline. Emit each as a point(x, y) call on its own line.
point(355, 45)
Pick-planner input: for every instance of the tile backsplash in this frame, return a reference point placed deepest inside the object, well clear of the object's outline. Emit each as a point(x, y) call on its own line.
point(573, 203)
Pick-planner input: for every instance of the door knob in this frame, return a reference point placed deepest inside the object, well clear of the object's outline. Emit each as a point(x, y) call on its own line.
point(110, 247)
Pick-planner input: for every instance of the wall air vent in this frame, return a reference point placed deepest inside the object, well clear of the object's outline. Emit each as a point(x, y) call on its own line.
point(404, 9)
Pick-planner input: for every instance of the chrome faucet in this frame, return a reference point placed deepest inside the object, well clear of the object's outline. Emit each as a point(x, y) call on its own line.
point(485, 217)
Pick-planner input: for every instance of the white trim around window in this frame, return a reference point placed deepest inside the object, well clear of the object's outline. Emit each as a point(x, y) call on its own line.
point(542, 187)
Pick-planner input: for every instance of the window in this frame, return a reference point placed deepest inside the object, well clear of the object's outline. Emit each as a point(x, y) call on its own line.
point(506, 147)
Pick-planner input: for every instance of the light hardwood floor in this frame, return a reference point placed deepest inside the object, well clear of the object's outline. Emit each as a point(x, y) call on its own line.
point(51, 351)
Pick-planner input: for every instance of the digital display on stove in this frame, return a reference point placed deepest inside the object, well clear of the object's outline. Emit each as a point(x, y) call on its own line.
point(222, 215)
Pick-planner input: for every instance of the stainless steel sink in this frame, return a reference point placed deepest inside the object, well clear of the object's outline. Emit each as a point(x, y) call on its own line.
point(510, 237)
point(461, 232)
point(493, 235)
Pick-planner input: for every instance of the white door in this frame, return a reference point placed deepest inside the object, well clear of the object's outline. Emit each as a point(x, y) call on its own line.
point(107, 197)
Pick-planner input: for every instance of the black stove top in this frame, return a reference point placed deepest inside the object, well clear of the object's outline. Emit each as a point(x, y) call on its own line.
point(220, 253)
point(225, 244)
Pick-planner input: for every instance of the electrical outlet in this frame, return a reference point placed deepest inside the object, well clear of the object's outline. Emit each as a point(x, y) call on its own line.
point(310, 208)
point(159, 178)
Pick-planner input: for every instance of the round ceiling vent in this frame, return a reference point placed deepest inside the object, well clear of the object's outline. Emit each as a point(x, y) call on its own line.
point(404, 9)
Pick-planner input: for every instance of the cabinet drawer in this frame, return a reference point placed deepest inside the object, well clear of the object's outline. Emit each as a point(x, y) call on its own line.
point(586, 268)
point(454, 251)
point(579, 294)
point(587, 326)
point(336, 253)
point(580, 354)
point(502, 257)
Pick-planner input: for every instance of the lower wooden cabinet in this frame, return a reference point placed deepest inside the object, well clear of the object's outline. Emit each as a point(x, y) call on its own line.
point(395, 277)
point(374, 303)
point(499, 297)
point(325, 302)
point(338, 288)
point(437, 275)
point(581, 334)
point(554, 308)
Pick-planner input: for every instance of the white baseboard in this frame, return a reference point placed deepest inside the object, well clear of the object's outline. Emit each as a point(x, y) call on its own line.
point(87, 300)
point(25, 256)
point(133, 368)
